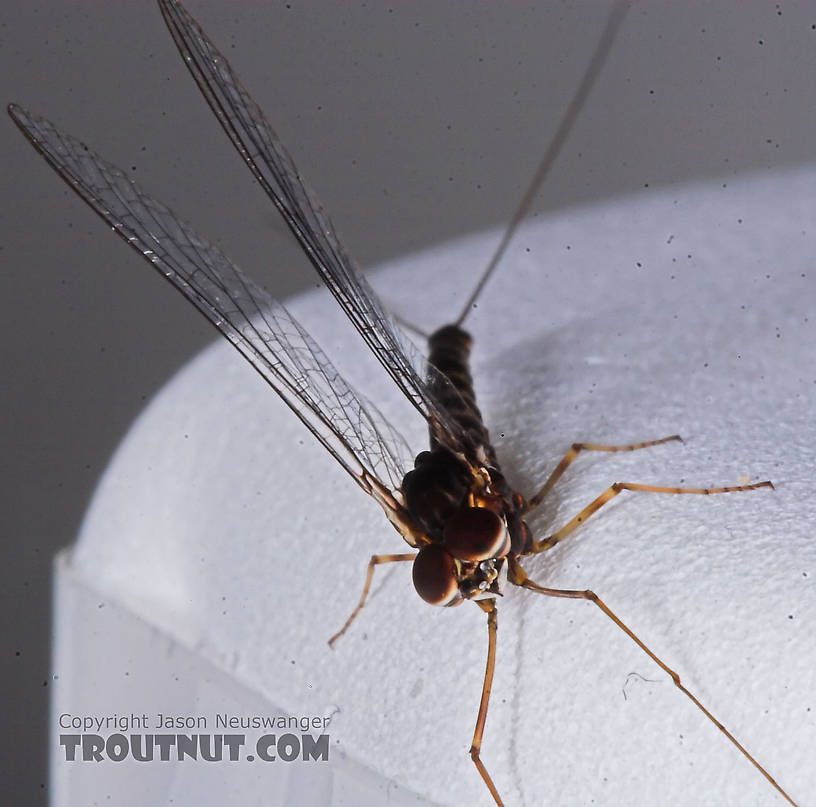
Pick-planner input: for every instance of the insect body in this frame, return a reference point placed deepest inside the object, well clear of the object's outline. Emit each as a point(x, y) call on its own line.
point(468, 511)
point(465, 525)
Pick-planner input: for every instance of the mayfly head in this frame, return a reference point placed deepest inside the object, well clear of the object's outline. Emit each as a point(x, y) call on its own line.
point(465, 522)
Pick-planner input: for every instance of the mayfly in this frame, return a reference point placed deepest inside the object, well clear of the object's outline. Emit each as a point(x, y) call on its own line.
point(465, 525)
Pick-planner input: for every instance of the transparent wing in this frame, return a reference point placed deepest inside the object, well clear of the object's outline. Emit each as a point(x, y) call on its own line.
point(272, 166)
point(260, 328)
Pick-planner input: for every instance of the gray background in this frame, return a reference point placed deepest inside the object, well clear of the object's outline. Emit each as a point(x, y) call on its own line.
point(416, 122)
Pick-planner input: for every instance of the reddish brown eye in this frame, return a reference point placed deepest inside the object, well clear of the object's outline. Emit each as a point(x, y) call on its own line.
point(475, 534)
point(435, 576)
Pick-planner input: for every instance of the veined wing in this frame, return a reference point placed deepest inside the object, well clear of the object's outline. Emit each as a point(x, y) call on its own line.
point(275, 170)
point(260, 328)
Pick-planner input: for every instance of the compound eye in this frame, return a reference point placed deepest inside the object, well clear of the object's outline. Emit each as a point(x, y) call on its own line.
point(475, 534)
point(435, 576)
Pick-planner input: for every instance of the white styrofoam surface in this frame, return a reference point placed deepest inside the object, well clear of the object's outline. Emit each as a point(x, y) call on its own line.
point(691, 310)
point(112, 662)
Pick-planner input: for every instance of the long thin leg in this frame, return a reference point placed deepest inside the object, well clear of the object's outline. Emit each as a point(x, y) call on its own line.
point(375, 561)
point(614, 490)
point(492, 623)
point(518, 576)
point(573, 452)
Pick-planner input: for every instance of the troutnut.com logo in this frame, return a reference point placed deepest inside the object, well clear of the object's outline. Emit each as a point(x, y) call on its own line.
point(217, 738)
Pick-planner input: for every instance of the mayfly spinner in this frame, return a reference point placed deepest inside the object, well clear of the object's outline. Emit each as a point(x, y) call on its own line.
point(465, 525)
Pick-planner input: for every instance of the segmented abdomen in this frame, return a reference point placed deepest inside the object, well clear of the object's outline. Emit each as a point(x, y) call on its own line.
point(449, 352)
